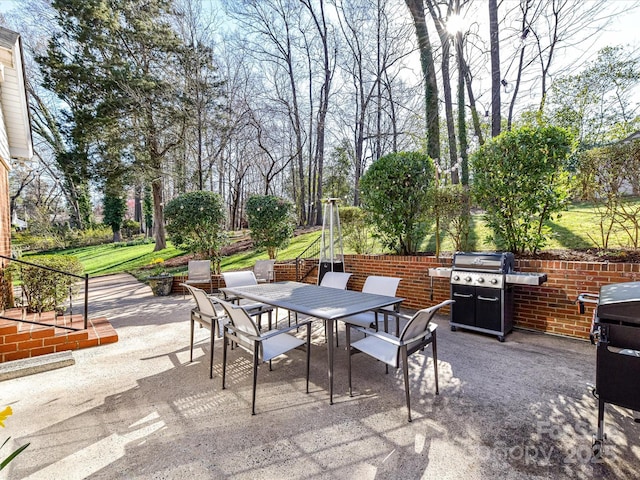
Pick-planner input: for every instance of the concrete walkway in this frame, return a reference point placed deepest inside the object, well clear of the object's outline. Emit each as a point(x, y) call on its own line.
point(137, 409)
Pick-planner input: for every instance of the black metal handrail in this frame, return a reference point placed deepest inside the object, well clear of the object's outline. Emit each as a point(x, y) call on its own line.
point(311, 252)
point(84, 277)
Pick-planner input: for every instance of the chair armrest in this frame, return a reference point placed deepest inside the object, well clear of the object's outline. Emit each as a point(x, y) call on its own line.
point(269, 334)
point(432, 328)
point(253, 308)
point(273, 333)
point(253, 338)
point(197, 312)
point(393, 313)
point(387, 337)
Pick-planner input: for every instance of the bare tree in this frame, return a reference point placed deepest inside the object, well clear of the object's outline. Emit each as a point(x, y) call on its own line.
point(271, 28)
point(328, 64)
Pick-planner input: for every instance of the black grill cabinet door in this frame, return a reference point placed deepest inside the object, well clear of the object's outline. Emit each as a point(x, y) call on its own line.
point(488, 308)
point(463, 311)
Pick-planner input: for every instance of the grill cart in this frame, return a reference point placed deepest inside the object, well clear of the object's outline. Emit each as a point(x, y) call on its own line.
point(482, 286)
point(615, 330)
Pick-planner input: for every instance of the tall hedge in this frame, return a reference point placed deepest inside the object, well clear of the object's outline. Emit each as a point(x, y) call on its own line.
point(394, 193)
point(520, 179)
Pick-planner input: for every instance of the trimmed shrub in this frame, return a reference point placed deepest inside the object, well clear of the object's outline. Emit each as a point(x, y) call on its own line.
point(521, 181)
point(195, 223)
point(395, 193)
point(271, 222)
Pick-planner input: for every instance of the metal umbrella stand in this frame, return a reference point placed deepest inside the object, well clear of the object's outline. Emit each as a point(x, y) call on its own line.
point(331, 251)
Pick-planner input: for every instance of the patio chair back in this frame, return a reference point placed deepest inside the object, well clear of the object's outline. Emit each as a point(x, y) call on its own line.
point(243, 323)
point(264, 270)
point(239, 279)
point(199, 272)
point(203, 302)
point(417, 332)
point(335, 280)
point(381, 286)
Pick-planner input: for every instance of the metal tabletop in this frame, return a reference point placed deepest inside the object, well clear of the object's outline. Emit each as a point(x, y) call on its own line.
point(324, 303)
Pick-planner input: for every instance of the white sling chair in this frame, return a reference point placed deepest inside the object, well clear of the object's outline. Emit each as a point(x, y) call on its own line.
point(264, 346)
point(417, 333)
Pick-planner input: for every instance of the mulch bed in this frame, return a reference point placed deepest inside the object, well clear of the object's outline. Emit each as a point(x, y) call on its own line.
point(588, 255)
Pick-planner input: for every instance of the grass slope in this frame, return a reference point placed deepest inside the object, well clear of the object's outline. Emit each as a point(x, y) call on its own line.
point(114, 258)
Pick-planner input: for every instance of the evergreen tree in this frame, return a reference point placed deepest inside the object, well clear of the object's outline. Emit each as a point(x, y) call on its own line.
point(114, 60)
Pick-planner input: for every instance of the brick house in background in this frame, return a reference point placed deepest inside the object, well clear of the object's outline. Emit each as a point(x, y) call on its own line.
point(15, 125)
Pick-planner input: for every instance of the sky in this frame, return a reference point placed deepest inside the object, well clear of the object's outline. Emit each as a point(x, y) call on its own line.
point(622, 30)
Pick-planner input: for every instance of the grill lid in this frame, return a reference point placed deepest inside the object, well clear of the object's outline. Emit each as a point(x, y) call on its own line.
point(500, 262)
point(620, 302)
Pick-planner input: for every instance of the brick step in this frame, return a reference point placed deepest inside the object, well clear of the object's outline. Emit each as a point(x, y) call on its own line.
point(20, 340)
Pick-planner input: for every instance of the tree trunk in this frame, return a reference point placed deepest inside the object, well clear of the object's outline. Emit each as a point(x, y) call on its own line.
point(158, 215)
point(137, 207)
point(462, 121)
point(446, 87)
point(495, 68)
point(416, 7)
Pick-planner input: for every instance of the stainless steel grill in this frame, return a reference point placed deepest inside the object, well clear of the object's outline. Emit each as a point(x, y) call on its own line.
point(482, 286)
point(616, 331)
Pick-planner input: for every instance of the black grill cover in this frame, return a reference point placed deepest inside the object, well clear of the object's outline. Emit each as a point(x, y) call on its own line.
point(620, 302)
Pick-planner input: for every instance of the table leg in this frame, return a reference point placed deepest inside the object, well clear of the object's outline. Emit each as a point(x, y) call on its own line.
point(330, 355)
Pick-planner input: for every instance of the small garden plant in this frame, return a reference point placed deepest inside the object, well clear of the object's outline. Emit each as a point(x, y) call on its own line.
point(4, 414)
point(46, 290)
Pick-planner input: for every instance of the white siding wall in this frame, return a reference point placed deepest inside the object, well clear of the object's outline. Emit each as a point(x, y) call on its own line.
point(16, 131)
point(4, 140)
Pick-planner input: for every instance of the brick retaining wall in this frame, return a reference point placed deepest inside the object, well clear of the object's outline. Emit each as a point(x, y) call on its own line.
point(549, 308)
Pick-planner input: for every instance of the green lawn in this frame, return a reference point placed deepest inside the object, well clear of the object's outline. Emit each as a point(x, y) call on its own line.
point(117, 258)
point(577, 228)
point(571, 231)
point(114, 258)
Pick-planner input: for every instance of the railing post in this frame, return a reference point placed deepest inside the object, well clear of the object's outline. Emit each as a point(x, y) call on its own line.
point(86, 299)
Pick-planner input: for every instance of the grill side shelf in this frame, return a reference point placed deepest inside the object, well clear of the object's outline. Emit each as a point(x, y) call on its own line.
point(522, 278)
point(440, 272)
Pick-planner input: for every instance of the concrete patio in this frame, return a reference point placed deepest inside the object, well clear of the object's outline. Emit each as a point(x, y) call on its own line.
point(137, 409)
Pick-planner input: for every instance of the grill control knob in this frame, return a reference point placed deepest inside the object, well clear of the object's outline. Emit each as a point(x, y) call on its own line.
point(480, 280)
point(494, 280)
point(467, 279)
point(456, 277)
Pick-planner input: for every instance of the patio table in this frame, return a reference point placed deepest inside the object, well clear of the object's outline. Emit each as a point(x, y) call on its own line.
point(324, 303)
